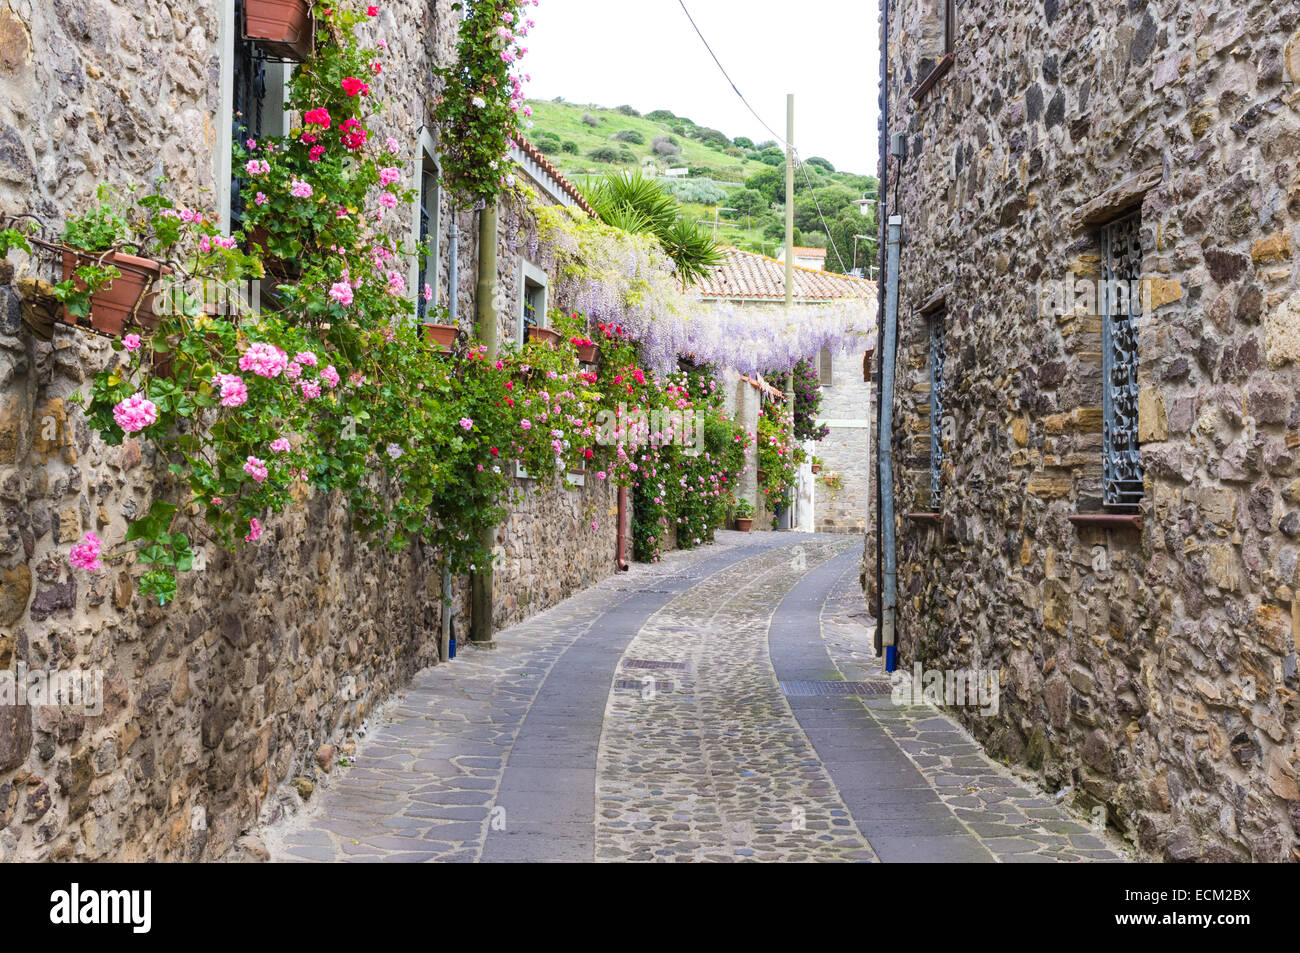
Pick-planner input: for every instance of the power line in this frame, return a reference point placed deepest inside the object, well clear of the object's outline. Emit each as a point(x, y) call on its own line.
point(830, 237)
point(728, 77)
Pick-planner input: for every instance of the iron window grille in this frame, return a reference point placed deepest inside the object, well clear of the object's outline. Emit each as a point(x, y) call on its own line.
point(428, 196)
point(1121, 306)
point(248, 102)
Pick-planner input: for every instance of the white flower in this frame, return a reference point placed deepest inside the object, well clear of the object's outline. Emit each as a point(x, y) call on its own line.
point(393, 450)
point(479, 101)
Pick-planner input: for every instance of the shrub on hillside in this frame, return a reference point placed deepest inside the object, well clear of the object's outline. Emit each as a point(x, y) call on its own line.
point(629, 135)
point(570, 147)
point(665, 146)
point(626, 110)
point(589, 120)
point(603, 154)
point(660, 115)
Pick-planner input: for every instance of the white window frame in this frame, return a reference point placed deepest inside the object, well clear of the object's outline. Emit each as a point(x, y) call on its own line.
point(530, 272)
point(426, 158)
point(275, 120)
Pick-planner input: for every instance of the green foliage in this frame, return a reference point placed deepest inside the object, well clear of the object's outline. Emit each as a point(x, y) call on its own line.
point(748, 201)
point(743, 142)
point(629, 135)
point(778, 456)
point(770, 183)
point(474, 108)
point(626, 110)
point(660, 115)
point(635, 203)
point(604, 154)
point(819, 161)
point(743, 510)
point(569, 146)
point(698, 191)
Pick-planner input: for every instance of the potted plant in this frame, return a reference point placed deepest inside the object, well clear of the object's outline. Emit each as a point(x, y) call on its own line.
point(443, 336)
point(587, 349)
point(816, 464)
point(102, 278)
point(543, 336)
point(744, 516)
point(281, 27)
point(834, 481)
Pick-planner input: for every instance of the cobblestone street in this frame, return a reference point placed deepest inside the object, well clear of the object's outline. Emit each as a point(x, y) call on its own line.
point(689, 710)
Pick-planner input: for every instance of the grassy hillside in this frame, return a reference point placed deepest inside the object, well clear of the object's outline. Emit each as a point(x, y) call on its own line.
point(585, 141)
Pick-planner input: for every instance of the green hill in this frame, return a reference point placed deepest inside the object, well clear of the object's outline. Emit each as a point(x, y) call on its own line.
point(737, 183)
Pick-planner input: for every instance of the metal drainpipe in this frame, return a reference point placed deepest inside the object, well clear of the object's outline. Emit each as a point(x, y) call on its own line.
point(882, 192)
point(453, 309)
point(884, 454)
point(622, 529)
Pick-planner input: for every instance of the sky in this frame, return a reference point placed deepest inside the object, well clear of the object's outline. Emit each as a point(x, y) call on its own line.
point(645, 53)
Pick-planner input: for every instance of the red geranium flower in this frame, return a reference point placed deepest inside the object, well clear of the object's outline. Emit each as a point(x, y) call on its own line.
point(353, 86)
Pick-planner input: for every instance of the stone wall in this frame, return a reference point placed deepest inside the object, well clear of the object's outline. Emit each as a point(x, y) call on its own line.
point(249, 684)
point(846, 449)
point(1149, 670)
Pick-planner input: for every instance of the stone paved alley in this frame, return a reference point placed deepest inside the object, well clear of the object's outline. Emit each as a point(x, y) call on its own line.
point(665, 715)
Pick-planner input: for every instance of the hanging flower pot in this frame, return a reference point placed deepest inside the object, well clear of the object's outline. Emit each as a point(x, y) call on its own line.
point(586, 348)
point(816, 468)
point(276, 267)
point(281, 27)
point(126, 299)
point(443, 336)
point(544, 336)
point(744, 523)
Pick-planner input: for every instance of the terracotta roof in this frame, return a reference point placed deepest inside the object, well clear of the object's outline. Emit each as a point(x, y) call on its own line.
point(536, 154)
point(758, 383)
point(809, 252)
point(748, 275)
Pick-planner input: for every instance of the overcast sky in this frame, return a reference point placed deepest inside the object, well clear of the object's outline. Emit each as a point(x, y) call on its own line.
point(645, 53)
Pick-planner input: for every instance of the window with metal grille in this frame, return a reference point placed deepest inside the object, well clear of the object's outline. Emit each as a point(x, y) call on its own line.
point(258, 85)
point(532, 298)
point(1121, 305)
point(826, 367)
point(427, 273)
point(938, 326)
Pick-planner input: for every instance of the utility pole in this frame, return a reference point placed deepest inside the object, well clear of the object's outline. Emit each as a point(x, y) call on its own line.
point(788, 514)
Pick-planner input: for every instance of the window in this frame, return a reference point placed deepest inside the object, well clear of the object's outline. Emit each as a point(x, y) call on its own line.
point(425, 225)
point(532, 298)
point(938, 328)
point(826, 367)
point(254, 85)
point(1121, 303)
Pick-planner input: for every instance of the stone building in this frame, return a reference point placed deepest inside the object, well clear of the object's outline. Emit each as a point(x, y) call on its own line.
point(1096, 411)
point(249, 683)
point(746, 278)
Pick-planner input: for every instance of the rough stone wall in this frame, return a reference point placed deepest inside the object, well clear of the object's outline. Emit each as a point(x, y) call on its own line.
point(846, 450)
point(1152, 670)
point(218, 704)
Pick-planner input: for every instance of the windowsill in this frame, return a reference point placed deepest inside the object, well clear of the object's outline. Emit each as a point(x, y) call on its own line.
point(934, 76)
point(1108, 520)
point(935, 518)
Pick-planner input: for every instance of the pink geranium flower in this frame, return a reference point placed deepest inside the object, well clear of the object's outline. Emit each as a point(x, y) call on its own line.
point(254, 530)
point(85, 555)
point(256, 468)
point(234, 392)
point(131, 342)
point(135, 413)
point(264, 360)
point(342, 293)
point(330, 376)
point(280, 445)
point(355, 87)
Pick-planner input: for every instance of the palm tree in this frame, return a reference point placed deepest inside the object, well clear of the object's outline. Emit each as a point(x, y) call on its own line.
point(630, 201)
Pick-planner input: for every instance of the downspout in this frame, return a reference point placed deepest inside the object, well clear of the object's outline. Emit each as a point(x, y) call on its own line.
point(882, 192)
point(453, 310)
point(481, 628)
point(889, 575)
point(622, 529)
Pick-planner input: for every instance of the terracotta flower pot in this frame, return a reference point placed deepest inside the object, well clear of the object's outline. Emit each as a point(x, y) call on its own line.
point(762, 476)
point(544, 336)
point(442, 335)
point(744, 523)
point(127, 298)
point(281, 27)
point(816, 468)
point(587, 354)
point(290, 270)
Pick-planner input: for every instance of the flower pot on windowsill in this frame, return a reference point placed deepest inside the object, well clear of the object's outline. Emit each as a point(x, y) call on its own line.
point(441, 335)
point(127, 299)
point(544, 336)
point(587, 353)
point(744, 523)
point(285, 270)
point(281, 27)
point(816, 468)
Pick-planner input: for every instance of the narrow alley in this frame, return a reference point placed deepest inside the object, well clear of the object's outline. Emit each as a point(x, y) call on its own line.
point(721, 705)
